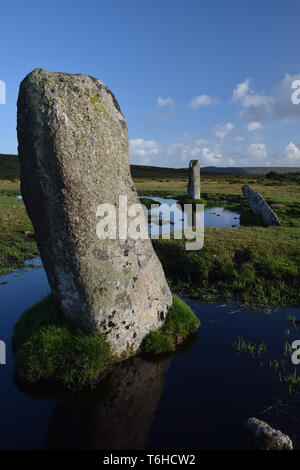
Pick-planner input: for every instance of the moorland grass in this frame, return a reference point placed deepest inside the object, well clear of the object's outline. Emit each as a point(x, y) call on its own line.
point(16, 234)
point(251, 265)
point(49, 348)
point(248, 218)
point(181, 322)
point(221, 187)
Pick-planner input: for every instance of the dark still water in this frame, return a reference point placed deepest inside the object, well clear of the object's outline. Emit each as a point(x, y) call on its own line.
point(196, 399)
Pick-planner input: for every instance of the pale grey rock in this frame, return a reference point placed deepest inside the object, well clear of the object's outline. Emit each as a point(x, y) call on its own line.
point(260, 207)
point(265, 437)
point(74, 154)
point(194, 179)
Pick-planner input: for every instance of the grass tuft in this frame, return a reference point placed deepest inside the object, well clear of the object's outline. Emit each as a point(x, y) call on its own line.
point(181, 322)
point(148, 202)
point(48, 348)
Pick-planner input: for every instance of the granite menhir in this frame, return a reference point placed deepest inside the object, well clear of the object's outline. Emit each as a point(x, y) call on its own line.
point(194, 179)
point(74, 154)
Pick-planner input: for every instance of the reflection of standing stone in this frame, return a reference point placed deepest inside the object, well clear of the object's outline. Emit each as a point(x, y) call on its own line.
point(194, 179)
point(74, 153)
point(259, 206)
point(118, 417)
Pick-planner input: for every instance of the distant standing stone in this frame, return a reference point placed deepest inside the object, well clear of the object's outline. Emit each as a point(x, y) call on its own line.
point(194, 179)
point(265, 437)
point(260, 207)
point(74, 154)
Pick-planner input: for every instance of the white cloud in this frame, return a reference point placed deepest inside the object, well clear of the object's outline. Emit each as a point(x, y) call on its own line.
point(241, 90)
point(257, 151)
point(201, 142)
point(212, 152)
point(222, 130)
point(244, 94)
point(202, 100)
point(165, 101)
point(292, 152)
point(247, 155)
point(222, 145)
point(253, 126)
point(178, 154)
point(256, 100)
point(283, 108)
point(144, 149)
point(255, 106)
point(210, 157)
point(256, 137)
point(207, 155)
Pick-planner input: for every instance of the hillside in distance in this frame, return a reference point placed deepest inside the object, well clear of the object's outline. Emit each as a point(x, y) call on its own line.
point(10, 168)
point(141, 171)
point(250, 170)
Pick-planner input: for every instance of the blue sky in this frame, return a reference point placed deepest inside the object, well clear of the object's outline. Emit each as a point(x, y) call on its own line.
point(205, 79)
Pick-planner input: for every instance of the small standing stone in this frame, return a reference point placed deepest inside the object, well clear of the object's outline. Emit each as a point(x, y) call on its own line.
point(265, 437)
point(194, 179)
point(260, 207)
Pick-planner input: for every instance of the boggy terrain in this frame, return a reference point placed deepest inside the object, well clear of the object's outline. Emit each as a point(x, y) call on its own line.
point(253, 264)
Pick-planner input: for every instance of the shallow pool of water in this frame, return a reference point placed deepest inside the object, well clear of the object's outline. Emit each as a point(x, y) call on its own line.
point(213, 216)
point(198, 398)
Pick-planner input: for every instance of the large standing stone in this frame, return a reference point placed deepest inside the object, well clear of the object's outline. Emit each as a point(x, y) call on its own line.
point(260, 207)
point(194, 179)
point(74, 153)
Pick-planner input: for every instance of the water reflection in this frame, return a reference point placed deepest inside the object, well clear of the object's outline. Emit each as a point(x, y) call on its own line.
point(117, 415)
point(200, 399)
point(213, 217)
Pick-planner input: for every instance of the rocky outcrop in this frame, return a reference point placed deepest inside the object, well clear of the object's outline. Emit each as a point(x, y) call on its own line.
point(265, 437)
point(260, 207)
point(74, 154)
point(194, 179)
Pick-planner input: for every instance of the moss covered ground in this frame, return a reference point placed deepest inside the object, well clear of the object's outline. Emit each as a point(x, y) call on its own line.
point(48, 348)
